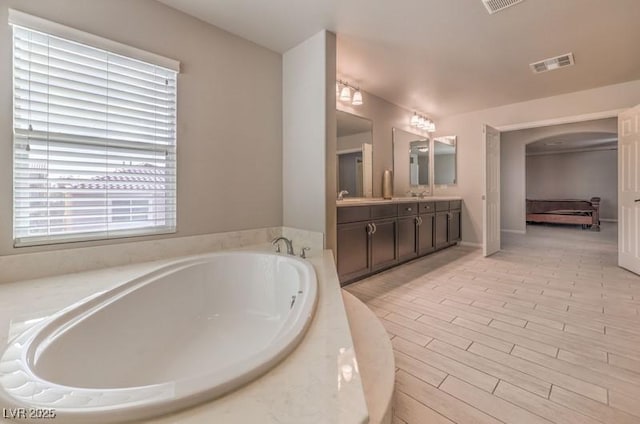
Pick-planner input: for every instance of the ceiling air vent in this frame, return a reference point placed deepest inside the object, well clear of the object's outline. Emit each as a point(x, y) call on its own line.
point(552, 63)
point(494, 6)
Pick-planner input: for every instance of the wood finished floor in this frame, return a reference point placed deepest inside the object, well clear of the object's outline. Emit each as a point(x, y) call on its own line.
point(546, 331)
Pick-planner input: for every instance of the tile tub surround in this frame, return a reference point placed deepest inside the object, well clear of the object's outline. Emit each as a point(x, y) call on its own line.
point(78, 259)
point(302, 389)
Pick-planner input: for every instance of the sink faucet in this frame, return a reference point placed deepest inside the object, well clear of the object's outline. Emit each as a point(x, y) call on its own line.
point(287, 242)
point(341, 194)
point(420, 194)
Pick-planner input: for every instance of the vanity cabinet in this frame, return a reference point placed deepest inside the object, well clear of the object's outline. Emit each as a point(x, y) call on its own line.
point(447, 223)
point(354, 244)
point(376, 237)
point(426, 225)
point(408, 224)
point(384, 252)
point(454, 222)
point(441, 229)
point(370, 243)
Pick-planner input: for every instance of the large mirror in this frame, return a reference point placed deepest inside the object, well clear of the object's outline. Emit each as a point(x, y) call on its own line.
point(411, 164)
point(355, 156)
point(444, 160)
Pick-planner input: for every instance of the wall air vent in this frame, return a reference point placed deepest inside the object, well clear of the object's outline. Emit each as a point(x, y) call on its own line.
point(494, 6)
point(552, 63)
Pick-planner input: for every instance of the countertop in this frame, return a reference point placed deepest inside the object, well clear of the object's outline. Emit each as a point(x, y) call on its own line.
point(368, 201)
point(306, 387)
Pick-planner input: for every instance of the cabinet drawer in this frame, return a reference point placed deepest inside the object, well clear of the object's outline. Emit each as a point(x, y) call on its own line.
point(442, 206)
point(384, 211)
point(426, 207)
point(353, 214)
point(455, 204)
point(405, 209)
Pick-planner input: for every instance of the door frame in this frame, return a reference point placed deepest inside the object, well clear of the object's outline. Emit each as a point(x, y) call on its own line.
point(570, 119)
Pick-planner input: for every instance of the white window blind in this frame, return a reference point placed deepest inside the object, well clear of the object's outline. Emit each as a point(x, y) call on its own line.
point(94, 142)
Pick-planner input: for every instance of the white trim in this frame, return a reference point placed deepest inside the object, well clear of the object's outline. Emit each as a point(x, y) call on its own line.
point(513, 231)
point(22, 19)
point(608, 220)
point(469, 244)
point(347, 151)
point(562, 120)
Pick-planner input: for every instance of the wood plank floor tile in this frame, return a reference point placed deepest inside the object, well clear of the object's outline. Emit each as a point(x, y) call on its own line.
point(554, 377)
point(546, 330)
point(589, 407)
point(472, 334)
point(413, 412)
point(438, 400)
point(541, 406)
point(407, 333)
point(445, 364)
point(625, 402)
point(430, 330)
point(624, 362)
point(419, 369)
point(496, 369)
point(505, 411)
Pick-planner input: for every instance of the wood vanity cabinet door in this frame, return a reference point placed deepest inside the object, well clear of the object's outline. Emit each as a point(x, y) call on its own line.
point(353, 251)
point(407, 246)
point(454, 227)
point(383, 244)
point(441, 230)
point(425, 234)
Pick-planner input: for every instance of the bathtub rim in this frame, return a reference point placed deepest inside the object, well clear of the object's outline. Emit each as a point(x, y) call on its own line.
point(178, 394)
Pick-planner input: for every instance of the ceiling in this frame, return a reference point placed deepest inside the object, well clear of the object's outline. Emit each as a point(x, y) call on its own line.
point(577, 141)
point(445, 57)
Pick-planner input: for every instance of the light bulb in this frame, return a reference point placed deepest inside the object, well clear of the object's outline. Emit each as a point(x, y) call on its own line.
point(357, 98)
point(421, 122)
point(415, 120)
point(345, 94)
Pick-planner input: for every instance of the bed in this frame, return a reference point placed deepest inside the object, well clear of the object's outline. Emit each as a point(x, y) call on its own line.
point(566, 211)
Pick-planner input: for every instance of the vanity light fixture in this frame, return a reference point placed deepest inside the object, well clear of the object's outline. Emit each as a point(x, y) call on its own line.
point(422, 122)
point(345, 93)
point(357, 98)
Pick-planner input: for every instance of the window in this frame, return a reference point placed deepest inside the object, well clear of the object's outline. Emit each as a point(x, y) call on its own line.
point(94, 139)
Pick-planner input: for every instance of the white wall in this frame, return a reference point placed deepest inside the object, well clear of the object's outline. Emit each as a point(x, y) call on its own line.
point(578, 175)
point(468, 128)
point(513, 165)
point(309, 135)
point(224, 80)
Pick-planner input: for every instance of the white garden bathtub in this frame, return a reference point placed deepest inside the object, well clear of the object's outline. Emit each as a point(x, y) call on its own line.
point(182, 334)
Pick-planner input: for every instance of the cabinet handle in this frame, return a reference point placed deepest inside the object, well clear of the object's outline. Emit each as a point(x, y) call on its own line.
point(418, 221)
point(369, 229)
point(408, 209)
point(374, 228)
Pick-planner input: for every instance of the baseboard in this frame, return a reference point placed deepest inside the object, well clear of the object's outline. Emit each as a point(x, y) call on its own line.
point(469, 244)
point(608, 220)
point(513, 231)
